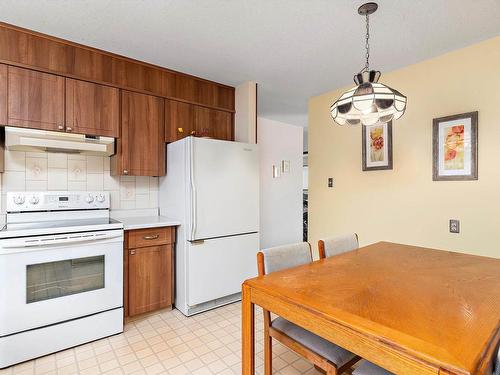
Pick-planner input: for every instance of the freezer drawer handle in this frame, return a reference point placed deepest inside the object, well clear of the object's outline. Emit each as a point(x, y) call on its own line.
point(151, 237)
point(197, 242)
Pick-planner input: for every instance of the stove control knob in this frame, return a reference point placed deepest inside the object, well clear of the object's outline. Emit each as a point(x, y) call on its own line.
point(89, 199)
point(101, 198)
point(19, 199)
point(34, 199)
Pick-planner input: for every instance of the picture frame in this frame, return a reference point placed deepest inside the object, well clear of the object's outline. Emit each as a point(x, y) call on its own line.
point(377, 147)
point(454, 147)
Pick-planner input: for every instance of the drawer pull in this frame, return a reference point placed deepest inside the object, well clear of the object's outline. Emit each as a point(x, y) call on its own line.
point(132, 252)
point(151, 237)
point(180, 130)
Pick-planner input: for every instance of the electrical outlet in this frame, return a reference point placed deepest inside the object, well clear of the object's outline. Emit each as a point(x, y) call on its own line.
point(454, 226)
point(330, 182)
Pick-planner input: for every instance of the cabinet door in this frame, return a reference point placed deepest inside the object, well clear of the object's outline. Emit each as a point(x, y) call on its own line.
point(92, 109)
point(35, 100)
point(213, 123)
point(179, 120)
point(223, 125)
point(3, 94)
point(203, 121)
point(149, 279)
point(141, 147)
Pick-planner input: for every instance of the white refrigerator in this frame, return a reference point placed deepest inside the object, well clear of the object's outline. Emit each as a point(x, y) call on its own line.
point(212, 188)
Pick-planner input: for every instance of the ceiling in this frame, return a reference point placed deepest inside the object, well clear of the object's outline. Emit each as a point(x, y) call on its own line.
point(294, 49)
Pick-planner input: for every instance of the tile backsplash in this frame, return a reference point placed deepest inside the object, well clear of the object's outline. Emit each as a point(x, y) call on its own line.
point(41, 171)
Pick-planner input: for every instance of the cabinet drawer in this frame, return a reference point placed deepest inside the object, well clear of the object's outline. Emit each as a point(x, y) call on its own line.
point(150, 237)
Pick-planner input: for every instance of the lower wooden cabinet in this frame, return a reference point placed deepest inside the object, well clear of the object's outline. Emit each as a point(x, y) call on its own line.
point(149, 279)
point(149, 270)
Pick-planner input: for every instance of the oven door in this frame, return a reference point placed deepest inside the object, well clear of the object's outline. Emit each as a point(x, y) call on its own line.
point(50, 279)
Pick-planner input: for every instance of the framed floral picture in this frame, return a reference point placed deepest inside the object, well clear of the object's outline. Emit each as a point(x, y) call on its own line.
point(454, 147)
point(377, 146)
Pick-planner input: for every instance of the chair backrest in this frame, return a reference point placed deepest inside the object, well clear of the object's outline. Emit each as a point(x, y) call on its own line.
point(280, 258)
point(283, 257)
point(337, 245)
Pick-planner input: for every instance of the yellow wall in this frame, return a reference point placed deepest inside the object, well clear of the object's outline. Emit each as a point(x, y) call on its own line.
point(404, 205)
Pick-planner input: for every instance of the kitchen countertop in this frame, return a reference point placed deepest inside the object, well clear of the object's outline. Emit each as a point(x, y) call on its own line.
point(141, 222)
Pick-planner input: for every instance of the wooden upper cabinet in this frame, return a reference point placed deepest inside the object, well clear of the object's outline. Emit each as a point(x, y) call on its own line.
point(204, 122)
point(45, 101)
point(213, 123)
point(141, 148)
point(223, 128)
point(184, 119)
point(3, 94)
point(225, 97)
point(34, 99)
point(179, 120)
point(92, 109)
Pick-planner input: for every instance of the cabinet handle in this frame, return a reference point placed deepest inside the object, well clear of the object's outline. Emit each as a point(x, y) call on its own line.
point(60, 127)
point(193, 132)
point(132, 252)
point(180, 130)
point(125, 171)
point(68, 129)
point(151, 237)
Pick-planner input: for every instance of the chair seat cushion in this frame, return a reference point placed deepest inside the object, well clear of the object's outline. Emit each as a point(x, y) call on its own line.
point(334, 353)
point(368, 368)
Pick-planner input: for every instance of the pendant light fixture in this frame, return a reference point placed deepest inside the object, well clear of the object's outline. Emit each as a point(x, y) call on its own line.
point(369, 102)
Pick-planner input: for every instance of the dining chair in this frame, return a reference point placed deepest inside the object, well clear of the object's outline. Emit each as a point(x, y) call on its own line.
point(337, 245)
point(328, 357)
point(368, 368)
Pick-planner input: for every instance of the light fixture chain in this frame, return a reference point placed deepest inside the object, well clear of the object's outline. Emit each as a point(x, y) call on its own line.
point(367, 43)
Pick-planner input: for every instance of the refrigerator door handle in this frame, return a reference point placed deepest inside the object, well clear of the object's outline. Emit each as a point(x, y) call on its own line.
point(193, 189)
point(193, 222)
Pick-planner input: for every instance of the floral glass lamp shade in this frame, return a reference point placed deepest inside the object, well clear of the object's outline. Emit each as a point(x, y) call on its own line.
point(369, 102)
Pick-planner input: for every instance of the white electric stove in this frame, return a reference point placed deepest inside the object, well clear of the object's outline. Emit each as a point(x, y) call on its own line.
point(61, 273)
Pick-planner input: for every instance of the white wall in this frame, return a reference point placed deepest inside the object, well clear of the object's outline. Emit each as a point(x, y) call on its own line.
point(280, 198)
point(246, 112)
point(42, 171)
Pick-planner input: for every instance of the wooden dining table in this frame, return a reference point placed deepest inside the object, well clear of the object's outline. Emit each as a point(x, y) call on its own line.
point(408, 309)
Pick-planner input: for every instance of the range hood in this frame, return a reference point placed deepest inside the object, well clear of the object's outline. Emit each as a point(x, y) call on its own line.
point(20, 139)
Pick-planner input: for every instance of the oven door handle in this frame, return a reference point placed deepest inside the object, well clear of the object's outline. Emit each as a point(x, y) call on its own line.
point(59, 240)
